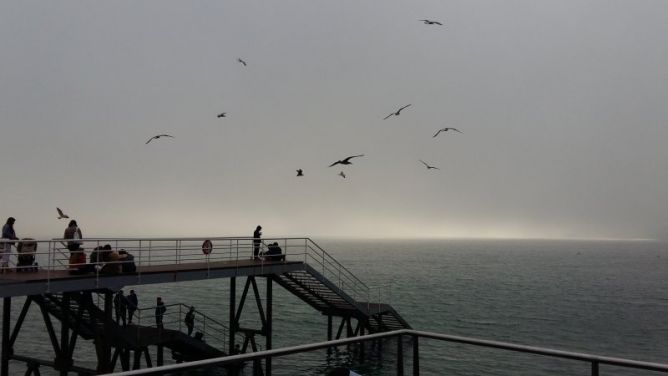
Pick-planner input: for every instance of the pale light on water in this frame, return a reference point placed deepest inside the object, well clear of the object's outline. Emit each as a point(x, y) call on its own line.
point(600, 297)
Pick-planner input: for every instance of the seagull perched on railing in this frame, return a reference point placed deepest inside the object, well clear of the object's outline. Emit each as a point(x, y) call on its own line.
point(428, 166)
point(346, 161)
point(447, 129)
point(158, 136)
point(428, 22)
point(396, 113)
point(61, 215)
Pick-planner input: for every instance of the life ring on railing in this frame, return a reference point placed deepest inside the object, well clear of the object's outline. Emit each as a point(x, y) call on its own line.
point(207, 247)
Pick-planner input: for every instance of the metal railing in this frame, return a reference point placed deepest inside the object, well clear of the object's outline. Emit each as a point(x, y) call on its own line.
point(214, 332)
point(53, 255)
point(593, 361)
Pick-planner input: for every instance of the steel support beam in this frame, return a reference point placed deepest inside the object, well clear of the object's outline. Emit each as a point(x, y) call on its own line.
point(63, 360)
point(6, 311)
point(232, 326)
point(268, 326)
point(416, 356)
point(400, 356)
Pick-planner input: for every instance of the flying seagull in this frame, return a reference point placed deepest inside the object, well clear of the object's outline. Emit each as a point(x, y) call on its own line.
point(447, 129)
point(61, 215)
point(346, 161)
point(158, 136)
point(428, 166)
point(396, 113)
point(241, 61)
point(300, 172)
point(341, 174)
point(428, 22)
point(222, 114)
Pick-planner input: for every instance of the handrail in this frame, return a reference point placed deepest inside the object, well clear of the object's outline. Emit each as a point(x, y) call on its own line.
point(173, 250)
point(594, 360)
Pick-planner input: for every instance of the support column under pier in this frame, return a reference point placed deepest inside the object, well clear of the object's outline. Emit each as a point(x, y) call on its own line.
point(232, 325)
point(268, 327)
point(6, 311)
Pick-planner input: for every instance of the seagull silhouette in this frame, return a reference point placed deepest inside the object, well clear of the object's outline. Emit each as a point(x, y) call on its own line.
point(341, 174)
point(300, 172)
point(222, 114)
point(158, 136)
point(346, 161)
point(241, 61)
point(428, 166)
point(447, 129)
point(396, 113)
point(428, 22)
point(61, 215)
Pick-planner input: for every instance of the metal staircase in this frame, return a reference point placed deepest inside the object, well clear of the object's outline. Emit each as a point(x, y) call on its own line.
point(86, 319)
point(327, 297)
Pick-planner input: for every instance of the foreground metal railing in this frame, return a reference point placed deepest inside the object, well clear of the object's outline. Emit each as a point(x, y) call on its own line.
point(593, 361)
point(53, 255)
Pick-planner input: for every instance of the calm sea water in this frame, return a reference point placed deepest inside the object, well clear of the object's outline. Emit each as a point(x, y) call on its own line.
point(601, 297)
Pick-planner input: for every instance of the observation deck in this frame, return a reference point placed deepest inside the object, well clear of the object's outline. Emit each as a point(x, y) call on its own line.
point(307, 271)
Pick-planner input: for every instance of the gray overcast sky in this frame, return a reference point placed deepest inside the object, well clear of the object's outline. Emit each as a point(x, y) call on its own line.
point(562, 105)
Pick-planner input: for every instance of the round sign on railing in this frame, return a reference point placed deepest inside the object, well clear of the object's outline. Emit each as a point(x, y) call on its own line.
point(207, 247)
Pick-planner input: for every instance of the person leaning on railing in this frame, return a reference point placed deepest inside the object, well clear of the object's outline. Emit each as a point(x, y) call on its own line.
point(7, 233)
point(77, 255)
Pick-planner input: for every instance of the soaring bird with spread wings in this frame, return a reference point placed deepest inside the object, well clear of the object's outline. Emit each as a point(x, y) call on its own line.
point(241, 61)
point(397, 112)
point(346, 161)
point(429, 22)
point(61, 215)
point(447, 129)
point(158, 136)
point(428, 166)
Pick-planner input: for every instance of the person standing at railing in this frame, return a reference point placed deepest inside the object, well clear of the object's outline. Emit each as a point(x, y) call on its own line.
point(121, 307)
point(77, 255)
point(257, 234)
point(7, 233)
point(160, 310)
point(133, 303)
point(190, 320)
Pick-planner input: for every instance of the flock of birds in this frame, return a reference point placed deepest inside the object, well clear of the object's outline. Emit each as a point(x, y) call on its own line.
point(345, 161)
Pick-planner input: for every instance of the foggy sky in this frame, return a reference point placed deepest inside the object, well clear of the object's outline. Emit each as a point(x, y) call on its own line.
point(562, 105)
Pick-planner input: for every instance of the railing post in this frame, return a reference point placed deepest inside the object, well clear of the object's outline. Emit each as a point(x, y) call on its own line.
point(594, 368)
point(180, 307)
point(400, 356)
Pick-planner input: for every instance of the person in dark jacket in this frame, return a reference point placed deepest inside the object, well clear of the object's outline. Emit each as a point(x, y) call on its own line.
point(257, 234)
point(6, 248)
point(190, 320)
point(133, 304)
point(160, 310)
point(127, 262)
point(121, 307)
